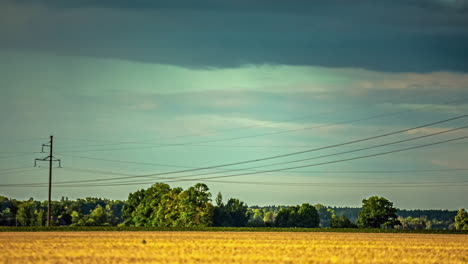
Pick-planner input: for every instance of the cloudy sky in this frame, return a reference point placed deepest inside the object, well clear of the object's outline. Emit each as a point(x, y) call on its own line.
point(131, 88)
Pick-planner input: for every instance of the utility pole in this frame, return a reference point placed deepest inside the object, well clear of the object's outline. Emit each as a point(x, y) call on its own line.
point(51, 159)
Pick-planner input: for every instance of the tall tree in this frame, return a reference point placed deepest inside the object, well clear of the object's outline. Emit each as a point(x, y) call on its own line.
point(298, 216)
point(307, 216)
point(282, 217)
point(269, 218)
point(325, 214)
point(162, 206)
point(341, 222)
point(237, 212)
point(376, 212)
point(461, 220)
point(220, 216)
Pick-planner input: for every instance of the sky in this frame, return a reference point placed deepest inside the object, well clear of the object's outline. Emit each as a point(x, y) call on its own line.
point(280, 88)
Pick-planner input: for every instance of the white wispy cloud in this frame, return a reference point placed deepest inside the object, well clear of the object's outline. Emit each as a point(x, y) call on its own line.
point(450, 164)
point(400, 81)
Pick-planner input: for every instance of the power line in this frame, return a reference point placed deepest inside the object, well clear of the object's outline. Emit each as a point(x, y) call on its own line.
point(13, 169)
point(25, 140)
point(344, 152)
point(15, 152)
point(227, 129)
point(324, 172)
point(18, 155)
point(98, 172)
point(301, 152)
point(289, 154)
point(126, 161)
point(18, 171)
point(303, 166)
point(298, 184)
point(208, 179)
point(323, 156)
point(324, 163)
point(264, 134)
point(245, 146)
point(349, 184)
point(267, 171)
point(334, 172)
point(191, 167)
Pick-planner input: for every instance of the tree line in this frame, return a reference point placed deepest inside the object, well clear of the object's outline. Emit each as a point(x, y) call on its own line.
point(163, 206)
point(80, 212)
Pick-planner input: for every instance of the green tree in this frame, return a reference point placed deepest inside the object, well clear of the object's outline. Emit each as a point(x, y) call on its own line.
point(220, 216)
point(298, 216)
point(40, 217)
point(129, 210)
point(98, 216)
point(269, 218)
point(219, 199)
point(27, 212)
point(75, 218)
point(325, 215)
point(461, 220)
point(376, 212)
point(341, 222)
point(162, 206)
point(256, 219)
point(307, 216)
point(237, 212)
point(233, 213)
point(196, 207)
point(282, 217)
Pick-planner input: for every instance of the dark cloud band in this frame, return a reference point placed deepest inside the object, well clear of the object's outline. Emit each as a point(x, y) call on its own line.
point(397, 36)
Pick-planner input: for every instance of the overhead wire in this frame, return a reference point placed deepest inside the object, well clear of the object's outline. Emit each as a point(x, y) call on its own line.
point(300, 152)
point(221, 130)
point(209, 179)
point(13, 169)
point(268, 183)
point(263, 134)
point(298, 184)
point(324, 163)
point(30, 169)
point(17, 155)
point(323, 156)
point(343, 152)
point(267, 171)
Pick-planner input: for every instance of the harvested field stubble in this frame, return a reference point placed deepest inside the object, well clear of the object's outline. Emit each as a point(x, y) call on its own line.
point(230, 247)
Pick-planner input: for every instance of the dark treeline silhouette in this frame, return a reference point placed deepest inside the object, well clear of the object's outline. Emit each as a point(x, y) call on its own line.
point(163, 206)
point(80, 212)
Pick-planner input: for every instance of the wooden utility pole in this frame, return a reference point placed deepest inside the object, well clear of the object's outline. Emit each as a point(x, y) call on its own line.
point(51, 159)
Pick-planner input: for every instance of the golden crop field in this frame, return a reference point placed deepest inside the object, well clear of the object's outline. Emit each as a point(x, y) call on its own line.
point(230, 247)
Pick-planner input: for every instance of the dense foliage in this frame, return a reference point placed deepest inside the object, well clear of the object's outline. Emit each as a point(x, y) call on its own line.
point(341, 222)
point(233, 213)
point(298, 216)
point(461, 220)
point(81, 212)
point(376, 212)
point(162, 206)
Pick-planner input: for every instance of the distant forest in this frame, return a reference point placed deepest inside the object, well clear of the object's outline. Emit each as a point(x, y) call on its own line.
point(163, 206)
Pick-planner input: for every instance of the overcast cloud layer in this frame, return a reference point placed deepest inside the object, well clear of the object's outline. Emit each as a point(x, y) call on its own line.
point(202, 83)
point(397, 36)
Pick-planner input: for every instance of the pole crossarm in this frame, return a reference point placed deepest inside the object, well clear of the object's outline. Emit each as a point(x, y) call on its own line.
point(54, 159)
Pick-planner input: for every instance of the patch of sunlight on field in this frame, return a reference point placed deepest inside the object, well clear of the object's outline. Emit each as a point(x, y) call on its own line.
point(230, 247)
